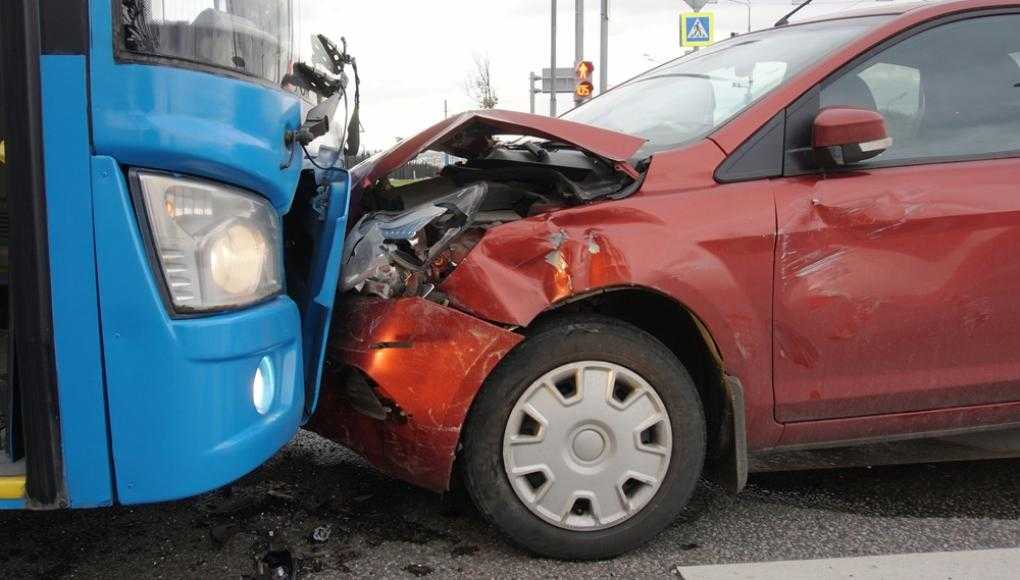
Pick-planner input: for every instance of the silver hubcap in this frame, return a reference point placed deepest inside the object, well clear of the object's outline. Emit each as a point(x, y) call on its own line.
point(587, 445)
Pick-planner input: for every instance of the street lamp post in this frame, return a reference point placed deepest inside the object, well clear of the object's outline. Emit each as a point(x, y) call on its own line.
point(746, 4)
point(552, 65)
point(604, 46)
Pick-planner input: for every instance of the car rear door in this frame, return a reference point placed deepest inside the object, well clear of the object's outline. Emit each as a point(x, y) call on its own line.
point(896, 281)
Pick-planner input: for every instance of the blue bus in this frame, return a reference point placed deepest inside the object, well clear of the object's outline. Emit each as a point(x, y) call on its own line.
point(169, 257)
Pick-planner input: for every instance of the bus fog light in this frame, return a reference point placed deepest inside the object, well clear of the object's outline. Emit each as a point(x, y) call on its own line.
point(263, 386)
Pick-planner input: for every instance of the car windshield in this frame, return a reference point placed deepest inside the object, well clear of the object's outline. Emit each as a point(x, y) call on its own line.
point(249, 37)
point(688, 98)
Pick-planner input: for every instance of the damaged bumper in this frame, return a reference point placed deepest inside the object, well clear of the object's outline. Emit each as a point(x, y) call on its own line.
point(407, 371)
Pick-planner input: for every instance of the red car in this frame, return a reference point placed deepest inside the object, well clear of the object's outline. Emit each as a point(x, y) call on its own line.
point(802, 237)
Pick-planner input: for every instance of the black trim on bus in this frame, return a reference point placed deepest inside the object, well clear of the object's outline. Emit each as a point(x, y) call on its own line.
point(32, 314)
point(65, 26)
point(123, 56)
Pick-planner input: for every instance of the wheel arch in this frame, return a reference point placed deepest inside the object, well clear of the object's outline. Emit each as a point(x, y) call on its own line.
point(687, 336)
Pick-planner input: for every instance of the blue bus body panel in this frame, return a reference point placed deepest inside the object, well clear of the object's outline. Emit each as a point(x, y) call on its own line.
point(180, 390)
point(76, 322)
point(317, 307)
point(170, 118)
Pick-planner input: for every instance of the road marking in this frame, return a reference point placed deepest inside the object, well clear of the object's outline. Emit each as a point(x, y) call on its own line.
point(985, 564)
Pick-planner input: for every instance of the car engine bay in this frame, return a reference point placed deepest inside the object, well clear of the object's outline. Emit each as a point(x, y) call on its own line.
point(410, 238)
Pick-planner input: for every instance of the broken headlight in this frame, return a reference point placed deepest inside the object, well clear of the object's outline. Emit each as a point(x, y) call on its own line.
point(387, 253)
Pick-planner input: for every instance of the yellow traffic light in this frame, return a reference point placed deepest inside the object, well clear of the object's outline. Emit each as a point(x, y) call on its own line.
point(583, 89)
point(583, 70)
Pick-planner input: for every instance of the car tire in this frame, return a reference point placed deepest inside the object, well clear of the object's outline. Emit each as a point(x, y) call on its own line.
point(491, 442)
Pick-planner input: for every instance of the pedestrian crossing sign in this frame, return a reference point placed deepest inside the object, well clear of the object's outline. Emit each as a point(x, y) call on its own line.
point(697, 28)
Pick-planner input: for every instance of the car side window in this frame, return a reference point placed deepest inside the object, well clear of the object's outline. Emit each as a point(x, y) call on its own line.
point(949, 92)
point(897, 92)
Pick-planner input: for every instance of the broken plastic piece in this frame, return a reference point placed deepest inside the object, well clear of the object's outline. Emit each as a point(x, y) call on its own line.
point(275, 565)
point(375, 260)
point(321, 534)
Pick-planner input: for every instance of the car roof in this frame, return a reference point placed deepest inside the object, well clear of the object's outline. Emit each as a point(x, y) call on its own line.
point(885, 8)
point(899, 8)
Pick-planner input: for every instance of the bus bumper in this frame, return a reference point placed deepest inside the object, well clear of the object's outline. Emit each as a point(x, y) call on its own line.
point(179, 391)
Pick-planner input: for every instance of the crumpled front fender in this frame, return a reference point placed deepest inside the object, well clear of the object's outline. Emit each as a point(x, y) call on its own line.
point(519, 269)
point(426, 363)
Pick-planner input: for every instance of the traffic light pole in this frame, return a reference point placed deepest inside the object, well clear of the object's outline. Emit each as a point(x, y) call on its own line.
point(532, 77)
point(552, 63)
point(578, 38)
point(604, 48)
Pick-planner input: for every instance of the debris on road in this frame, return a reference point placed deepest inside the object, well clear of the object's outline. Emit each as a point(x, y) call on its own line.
point(321, 534)
point(275, 565)
point(905, 509)
point(418, 569)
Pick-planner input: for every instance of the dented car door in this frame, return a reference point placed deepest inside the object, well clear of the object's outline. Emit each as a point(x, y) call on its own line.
point(896, 279)
point(894, 291)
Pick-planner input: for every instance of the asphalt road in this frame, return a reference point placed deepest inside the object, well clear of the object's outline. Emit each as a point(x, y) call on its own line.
point(381, 527)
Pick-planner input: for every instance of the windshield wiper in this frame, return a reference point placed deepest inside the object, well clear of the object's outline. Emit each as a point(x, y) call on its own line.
point(786, 19)
point(684, 75)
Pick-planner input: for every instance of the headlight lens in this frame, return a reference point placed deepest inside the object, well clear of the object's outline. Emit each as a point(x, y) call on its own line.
point(217, 246)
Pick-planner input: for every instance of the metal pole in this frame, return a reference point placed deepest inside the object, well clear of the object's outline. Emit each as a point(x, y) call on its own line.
point(552, 63)
point(578, 38)
point(578, 31)
point(531, 90)
point(604, 48)
point(446, 113)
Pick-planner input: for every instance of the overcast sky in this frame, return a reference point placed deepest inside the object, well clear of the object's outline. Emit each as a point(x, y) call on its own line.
point(413, 54)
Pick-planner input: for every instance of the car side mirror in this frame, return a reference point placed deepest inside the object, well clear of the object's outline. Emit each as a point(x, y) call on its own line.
point(847, 135)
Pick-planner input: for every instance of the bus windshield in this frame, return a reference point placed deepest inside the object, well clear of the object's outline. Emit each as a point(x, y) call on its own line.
point(249, 37)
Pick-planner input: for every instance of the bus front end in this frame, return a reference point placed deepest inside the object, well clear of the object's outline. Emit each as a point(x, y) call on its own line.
point(152, 242)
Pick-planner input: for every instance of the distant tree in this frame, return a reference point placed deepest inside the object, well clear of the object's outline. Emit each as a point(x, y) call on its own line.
point(479, 84)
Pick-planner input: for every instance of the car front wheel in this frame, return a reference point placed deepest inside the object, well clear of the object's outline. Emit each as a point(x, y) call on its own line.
point(586, 441)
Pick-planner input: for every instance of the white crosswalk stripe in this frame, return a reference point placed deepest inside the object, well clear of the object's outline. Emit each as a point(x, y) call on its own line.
point(978, 565)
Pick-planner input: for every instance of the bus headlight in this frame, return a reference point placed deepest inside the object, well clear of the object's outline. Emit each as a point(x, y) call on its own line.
point(218, 246)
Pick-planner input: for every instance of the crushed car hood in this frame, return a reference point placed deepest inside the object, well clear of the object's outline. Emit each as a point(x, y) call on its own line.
point(470, 134)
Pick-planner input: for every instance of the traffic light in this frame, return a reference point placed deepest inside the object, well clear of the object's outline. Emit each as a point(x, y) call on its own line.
point(583, 89)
